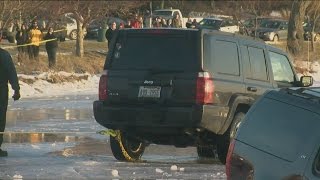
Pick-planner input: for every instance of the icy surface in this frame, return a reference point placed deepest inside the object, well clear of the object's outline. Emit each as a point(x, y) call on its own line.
point(55, 138)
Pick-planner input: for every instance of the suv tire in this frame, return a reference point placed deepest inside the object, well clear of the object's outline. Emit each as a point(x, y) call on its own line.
point(206, 151)
point(225, 139)
point(126, 149)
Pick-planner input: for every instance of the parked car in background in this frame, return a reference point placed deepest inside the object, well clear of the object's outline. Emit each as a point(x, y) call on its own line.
point(249, 25)
point(69, 25)
point(221, 24)
point(279, 138)
point(102, 23)
point(94, 27)
point(272, 30)
point(310, 32)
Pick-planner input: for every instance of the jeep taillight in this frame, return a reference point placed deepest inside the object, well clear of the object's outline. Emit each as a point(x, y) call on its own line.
point(103, 85)
point(229, 159)
point(205, 89)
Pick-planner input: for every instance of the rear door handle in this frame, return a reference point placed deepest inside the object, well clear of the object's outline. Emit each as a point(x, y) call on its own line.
point(253, 89)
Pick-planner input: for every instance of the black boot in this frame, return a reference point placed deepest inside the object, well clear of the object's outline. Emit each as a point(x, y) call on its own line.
point(3, 153)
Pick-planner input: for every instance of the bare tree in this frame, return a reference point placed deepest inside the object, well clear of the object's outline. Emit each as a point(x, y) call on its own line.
point(295, 29)
point(10, 11)
point(86, 11)
point(83, 12)
point(313, 13)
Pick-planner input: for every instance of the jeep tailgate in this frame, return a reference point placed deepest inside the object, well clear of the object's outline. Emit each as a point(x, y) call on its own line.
point(158, 66)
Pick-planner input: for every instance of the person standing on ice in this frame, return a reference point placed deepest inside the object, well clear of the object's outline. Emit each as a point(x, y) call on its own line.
point(7, 74)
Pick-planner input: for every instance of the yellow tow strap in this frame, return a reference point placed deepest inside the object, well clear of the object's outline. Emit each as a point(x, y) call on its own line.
point(117, 134)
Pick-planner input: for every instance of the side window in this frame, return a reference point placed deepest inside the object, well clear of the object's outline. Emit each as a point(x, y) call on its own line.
point(220, 57)
point(258, 64)
point(226, 59)
point(281, 68)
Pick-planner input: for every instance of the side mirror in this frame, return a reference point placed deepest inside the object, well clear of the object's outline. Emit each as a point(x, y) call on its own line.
point(306, 81)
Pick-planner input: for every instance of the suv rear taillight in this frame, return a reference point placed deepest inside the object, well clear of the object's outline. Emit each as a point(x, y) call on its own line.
point(229, 159)
point(205, 89)
point(103, 85)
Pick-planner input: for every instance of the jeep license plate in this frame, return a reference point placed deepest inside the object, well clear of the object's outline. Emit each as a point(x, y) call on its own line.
point(149, 91)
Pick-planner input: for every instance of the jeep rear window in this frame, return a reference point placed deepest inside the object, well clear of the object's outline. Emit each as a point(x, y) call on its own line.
point(156, 49)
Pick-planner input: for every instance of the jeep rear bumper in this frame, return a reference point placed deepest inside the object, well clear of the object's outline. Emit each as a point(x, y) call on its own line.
point(156, 116)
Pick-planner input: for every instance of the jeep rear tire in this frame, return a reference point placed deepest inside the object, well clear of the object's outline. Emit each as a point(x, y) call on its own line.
point(126, 148)
point(225, 139)
point(206, 151)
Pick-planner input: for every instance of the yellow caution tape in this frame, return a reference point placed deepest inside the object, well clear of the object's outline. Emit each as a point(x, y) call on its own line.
point(15, 46)
point(56, 31)
point(46, 132)
point(40, 42)
point(60, 30)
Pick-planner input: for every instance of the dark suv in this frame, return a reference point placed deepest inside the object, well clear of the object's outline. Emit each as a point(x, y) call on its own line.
point(279, 138)
point(184, 87)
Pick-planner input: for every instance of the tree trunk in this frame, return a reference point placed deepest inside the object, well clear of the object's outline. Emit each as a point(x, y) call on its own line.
point(295, 29)
point(79, 41)
point(213, 5)
point(162, 4)
point(315, 19)
point(312, 38)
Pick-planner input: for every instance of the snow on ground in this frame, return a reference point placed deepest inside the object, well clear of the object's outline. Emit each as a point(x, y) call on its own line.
point(43, 88)
point(314, 68)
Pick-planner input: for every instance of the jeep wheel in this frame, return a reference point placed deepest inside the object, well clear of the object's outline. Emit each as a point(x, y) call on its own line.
point(126, 148)
point(225, 139)
point(73, 34)
point(206, 151)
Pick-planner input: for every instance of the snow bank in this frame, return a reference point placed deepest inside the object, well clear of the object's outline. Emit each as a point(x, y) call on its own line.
point(42, 88)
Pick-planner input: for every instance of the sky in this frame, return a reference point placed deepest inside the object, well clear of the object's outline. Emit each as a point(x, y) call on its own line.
point(42, 88)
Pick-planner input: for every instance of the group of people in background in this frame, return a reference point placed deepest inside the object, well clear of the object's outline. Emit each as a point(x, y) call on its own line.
point(158, 22)
point(175, 22)
point(137, 22)
point(191, 23)
point(29, 39)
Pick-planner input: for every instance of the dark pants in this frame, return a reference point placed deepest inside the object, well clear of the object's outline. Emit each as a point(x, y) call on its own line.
point(3, 109)
point(22, 49)
point(21, 53)
point(34, 52)
point(52, 56)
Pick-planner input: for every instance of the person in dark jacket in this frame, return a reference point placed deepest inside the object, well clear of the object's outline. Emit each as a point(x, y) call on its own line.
point(110, 32)
point(22, 38)
point(7, 74)
point(51, 47)
point(176, 21)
